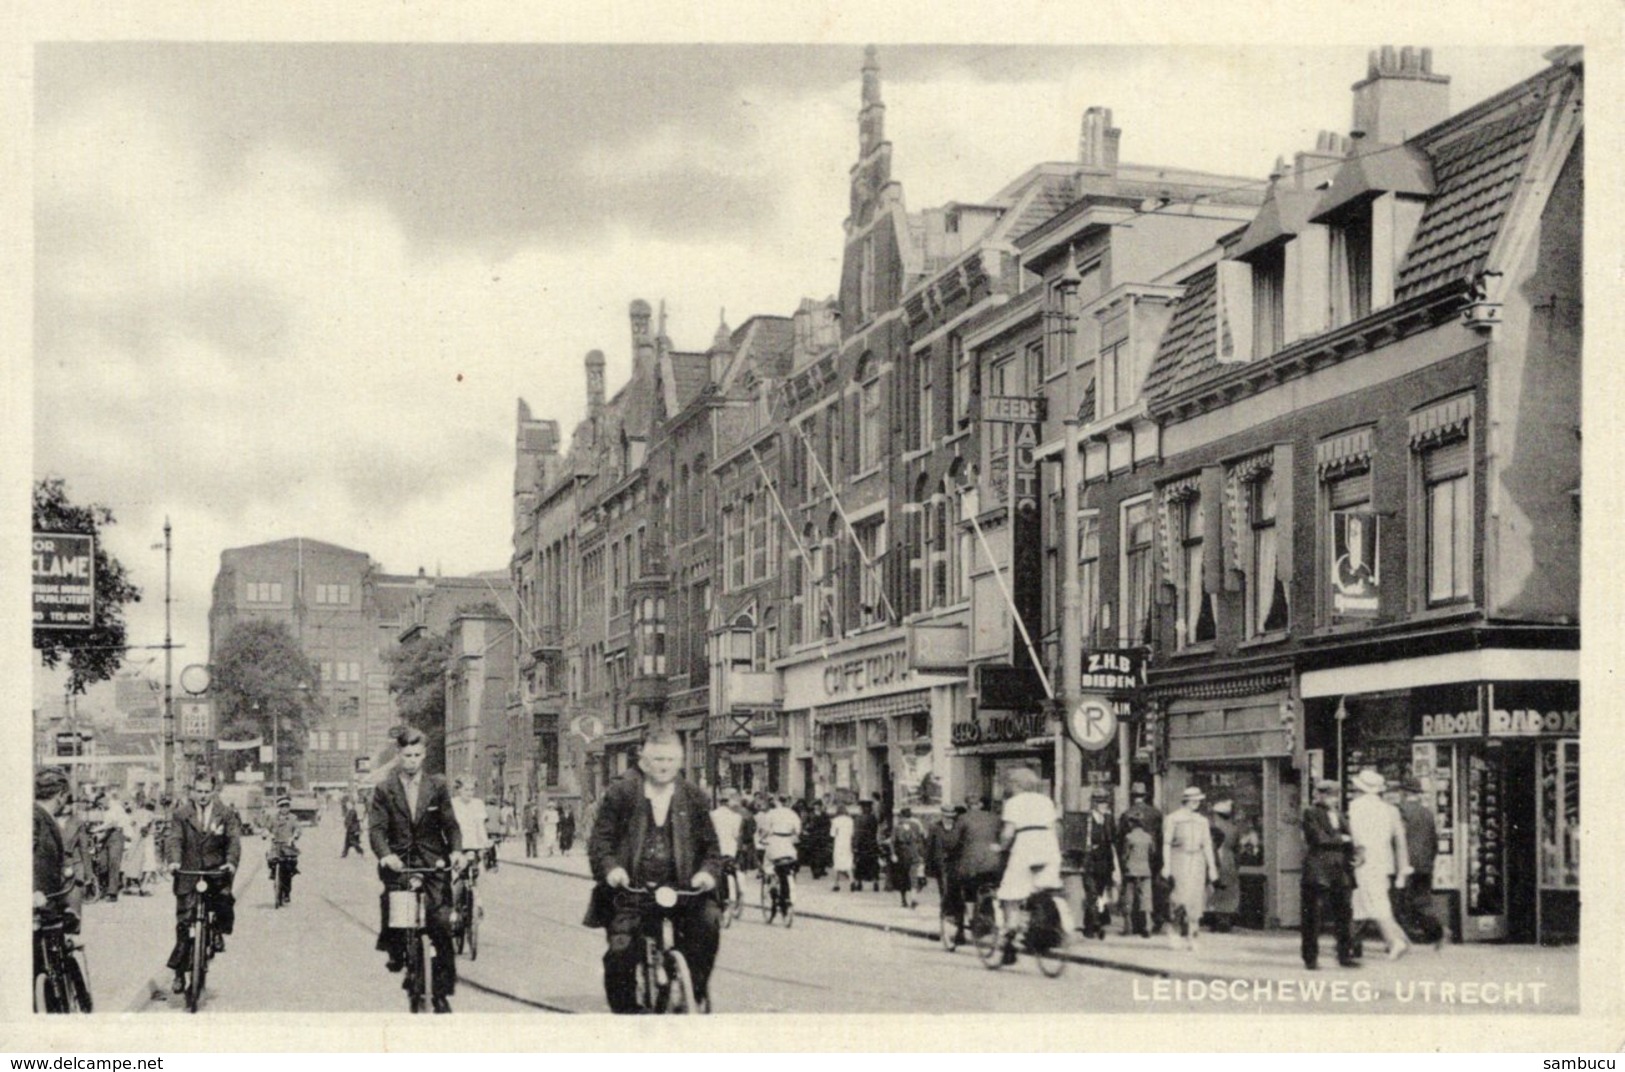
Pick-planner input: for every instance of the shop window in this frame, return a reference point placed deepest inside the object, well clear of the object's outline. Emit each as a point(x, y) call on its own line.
point(1560, 815)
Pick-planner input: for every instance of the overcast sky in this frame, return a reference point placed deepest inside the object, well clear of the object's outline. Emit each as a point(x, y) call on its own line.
point(292, 290)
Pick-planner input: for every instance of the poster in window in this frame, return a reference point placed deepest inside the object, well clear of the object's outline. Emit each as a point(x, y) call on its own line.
point(1355, 577)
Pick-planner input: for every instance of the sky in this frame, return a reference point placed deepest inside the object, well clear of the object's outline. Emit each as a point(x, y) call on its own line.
point(298, 289)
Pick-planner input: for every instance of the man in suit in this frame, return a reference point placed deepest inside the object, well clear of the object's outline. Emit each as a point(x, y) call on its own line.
point(52, 866)
point(1422, 842)
point(204, 834)
point(654, 829)
point(1327, 876)
point(1101, 869)
point(411, 824)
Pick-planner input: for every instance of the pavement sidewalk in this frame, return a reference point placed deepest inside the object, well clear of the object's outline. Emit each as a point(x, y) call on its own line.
point(1464, 974)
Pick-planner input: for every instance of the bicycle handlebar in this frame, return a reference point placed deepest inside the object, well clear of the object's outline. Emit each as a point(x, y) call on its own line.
point(217, 872)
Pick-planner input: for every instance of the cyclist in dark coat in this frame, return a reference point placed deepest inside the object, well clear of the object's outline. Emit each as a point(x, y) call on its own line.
point(411, 824)
point(654, 829)
point(204, 834)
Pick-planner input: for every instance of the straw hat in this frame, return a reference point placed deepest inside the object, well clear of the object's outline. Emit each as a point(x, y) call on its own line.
point(1369, 781)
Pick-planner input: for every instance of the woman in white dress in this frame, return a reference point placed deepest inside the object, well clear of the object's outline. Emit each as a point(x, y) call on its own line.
point(840, 831)
point(1030, 839)
point(1187, 852)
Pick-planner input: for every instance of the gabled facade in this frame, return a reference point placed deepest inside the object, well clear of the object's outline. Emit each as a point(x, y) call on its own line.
point(1366, 511)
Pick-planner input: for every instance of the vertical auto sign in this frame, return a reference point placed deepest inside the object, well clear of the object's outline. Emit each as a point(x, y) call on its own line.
point(1023, 415)
point(64, 580)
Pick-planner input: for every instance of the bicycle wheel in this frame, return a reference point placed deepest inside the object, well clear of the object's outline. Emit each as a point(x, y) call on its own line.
point(200, 965)
point(766, 899)
point(948, 929)
point(42, 992)
point(726, 904)
point(77, 976)
point(472, 924)
point(681, 987)
point(415, 987)
point(276, 880)
point(985, 931)
point(459, 924)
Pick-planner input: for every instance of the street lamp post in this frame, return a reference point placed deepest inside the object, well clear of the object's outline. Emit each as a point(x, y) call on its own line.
point(1070, 771)
point(169, 662)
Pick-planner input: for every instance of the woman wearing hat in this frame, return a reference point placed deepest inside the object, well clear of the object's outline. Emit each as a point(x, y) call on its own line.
point(1381, 854)
point(1187, 852)
point(1226, 899)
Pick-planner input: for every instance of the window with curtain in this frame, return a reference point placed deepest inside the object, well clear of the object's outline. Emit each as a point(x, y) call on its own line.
point(1266, 594)
point(1269, 300)
point(1351, 266)
point(1139, 535)
point(1447, 485)
point(1196, 623)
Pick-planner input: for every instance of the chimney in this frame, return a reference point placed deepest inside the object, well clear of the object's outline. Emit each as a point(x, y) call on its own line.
point(1400, 96)
point(1314, 167)
point(643, 343)
point(1097, 145)
point(595, 386)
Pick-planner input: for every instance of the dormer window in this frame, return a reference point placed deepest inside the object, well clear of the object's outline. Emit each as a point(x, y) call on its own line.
point(1269, 299)
point(1351, 264)
point(1371, 211)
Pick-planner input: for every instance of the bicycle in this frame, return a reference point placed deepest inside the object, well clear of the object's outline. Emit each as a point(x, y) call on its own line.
point(408, 911)
point(61, 970)
point(774, 895)
point(730, 892)
point(282, 869)
point(665, 984)
point(1042, 936)
point(201, 933)
point(467, 911)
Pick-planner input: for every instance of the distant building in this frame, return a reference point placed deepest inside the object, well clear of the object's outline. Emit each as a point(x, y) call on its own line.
point(347, 616)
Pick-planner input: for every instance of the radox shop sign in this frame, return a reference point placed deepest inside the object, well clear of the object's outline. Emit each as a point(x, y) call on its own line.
point(64, 580)
point(1544, 709)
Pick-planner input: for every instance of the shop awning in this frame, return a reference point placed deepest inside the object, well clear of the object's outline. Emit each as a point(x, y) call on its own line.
point(903, 703)
point(1488, 664)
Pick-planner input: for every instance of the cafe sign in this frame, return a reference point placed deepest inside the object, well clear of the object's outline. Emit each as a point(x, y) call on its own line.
point(856, 676)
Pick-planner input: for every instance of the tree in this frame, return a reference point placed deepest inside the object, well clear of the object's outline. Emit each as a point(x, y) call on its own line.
point(96, 654)
point(262, 680)
point(417, 679)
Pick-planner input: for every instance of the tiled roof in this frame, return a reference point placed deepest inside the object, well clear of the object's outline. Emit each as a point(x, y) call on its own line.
point(1476, 175)
point(1048, 196)
point(1187, 351)
point(690, 373)
point(1477, 160)
point(772, 344)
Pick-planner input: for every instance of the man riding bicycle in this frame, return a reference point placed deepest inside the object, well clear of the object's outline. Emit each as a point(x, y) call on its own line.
point(411, 824)
point(53, 870)
point(654, 829)
point(777, 833)
point(204, 835)
point(284, 848)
